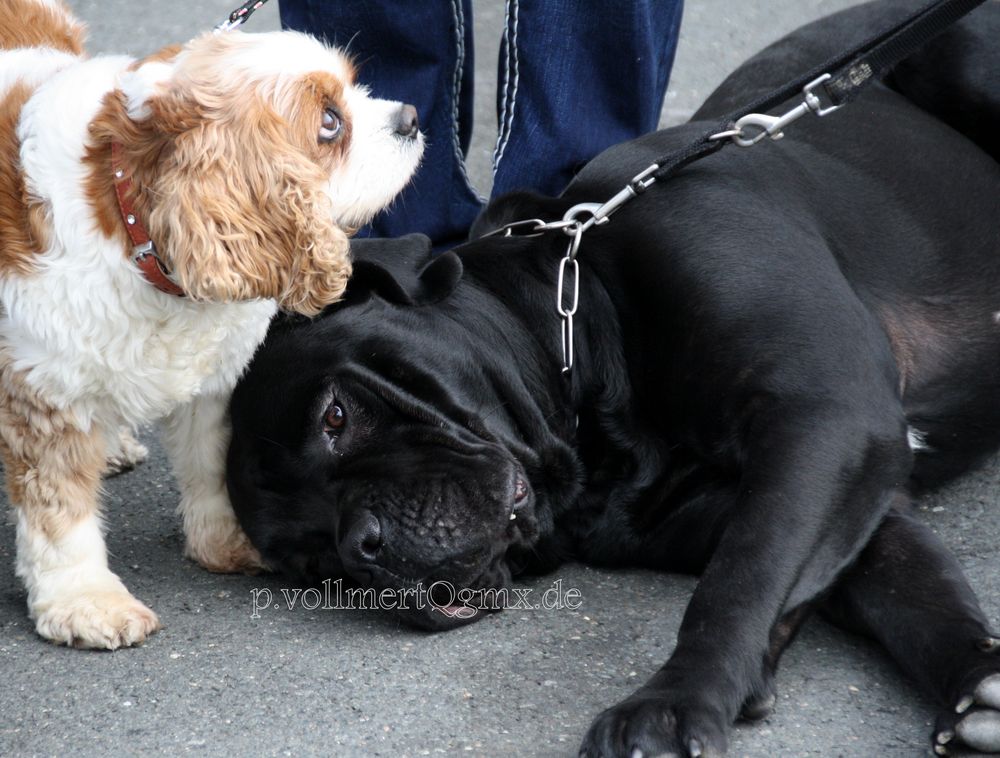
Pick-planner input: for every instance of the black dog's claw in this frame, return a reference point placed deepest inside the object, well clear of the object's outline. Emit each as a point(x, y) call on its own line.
point(694, 748)
point(974, 723)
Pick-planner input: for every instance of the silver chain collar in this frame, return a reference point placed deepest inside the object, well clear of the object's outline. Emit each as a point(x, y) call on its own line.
point(572, 225)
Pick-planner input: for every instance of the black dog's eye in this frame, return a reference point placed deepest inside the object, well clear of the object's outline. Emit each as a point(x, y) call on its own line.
point(331, 127)
point(333, 419)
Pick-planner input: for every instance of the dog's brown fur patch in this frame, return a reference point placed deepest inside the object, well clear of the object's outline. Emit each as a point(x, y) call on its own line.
point(163, 55)
point(53, 467)
point(99, 185)
point(24, 23)
point(22, 222)
point(317, 91)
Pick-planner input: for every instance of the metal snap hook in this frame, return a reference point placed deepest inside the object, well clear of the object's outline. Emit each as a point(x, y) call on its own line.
point(769, 126)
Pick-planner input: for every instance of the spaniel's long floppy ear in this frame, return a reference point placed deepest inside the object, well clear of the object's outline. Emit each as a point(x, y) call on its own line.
point(402, 271)
point(241, 211)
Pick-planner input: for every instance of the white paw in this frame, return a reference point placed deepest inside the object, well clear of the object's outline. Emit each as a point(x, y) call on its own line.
point(220, 545)
point(97, 617)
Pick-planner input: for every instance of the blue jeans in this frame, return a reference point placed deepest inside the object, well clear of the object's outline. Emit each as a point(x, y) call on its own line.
point(575, 76)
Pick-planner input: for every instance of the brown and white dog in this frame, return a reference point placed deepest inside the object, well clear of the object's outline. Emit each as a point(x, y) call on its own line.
point(243, 158)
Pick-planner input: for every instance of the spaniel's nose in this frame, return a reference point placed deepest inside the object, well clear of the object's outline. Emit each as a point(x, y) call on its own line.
point(407, 123)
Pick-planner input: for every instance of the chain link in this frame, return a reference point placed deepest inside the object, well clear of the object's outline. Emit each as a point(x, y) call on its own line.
point(572, 224)
point(566, 312)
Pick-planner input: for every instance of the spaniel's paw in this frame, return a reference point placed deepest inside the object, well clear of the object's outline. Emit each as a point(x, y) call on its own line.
point(95, 617)
point(125, 452)
point(220, 545)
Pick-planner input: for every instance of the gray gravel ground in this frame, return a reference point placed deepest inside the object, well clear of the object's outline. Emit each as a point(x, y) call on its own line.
point(215, 682)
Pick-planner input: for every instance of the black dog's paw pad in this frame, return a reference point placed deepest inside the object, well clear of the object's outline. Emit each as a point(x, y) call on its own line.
point(980, 730)
point(654, 727)
point(988, 691)
point(974, 723)
point(757, 708)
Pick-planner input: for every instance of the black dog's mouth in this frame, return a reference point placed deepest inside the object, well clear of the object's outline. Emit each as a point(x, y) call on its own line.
point(440, 604)
point(456, 592)
point(434, 569)
point(439, 579)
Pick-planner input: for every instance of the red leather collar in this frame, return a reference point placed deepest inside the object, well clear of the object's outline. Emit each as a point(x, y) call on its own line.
point(143, 251)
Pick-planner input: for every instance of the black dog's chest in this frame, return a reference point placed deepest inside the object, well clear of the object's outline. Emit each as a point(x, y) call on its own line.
point(650, 504)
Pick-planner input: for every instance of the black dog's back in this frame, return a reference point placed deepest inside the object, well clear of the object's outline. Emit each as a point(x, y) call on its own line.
point(956, 76)
point(939, 320)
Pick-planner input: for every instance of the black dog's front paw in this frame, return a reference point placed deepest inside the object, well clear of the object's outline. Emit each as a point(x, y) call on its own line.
point(656, 724)
point(974, 722)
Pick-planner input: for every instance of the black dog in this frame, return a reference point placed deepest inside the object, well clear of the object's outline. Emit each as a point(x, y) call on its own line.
point(775, 349)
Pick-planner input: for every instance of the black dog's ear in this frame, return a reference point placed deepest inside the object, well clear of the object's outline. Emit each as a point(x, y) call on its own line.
point(402, 271)
point(516, 206)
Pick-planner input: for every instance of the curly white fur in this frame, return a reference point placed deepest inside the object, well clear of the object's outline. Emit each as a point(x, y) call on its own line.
point(86, 344)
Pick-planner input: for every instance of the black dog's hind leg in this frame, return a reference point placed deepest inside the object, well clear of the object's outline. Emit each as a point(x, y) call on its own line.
point(817, 482)
point(908, 592)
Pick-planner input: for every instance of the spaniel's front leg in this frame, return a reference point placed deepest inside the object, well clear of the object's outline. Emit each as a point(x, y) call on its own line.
point(53, 466)
point(197, 437)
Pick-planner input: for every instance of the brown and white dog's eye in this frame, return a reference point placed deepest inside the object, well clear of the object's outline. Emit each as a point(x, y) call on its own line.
point(334, 419)
point(332, 126)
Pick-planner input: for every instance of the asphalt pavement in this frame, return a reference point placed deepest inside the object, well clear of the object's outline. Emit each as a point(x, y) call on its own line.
point(296, 682)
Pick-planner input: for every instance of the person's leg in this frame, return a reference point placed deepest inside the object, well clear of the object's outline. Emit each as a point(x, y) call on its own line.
point(577, 76)
point(419, 53)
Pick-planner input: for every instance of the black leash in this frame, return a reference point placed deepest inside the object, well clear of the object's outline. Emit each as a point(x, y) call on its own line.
point(854, 70)
point(841, 79)
point(239, 16)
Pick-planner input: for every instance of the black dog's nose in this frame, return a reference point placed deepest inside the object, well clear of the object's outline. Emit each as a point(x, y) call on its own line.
point(406, 121)
point(361, 542)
